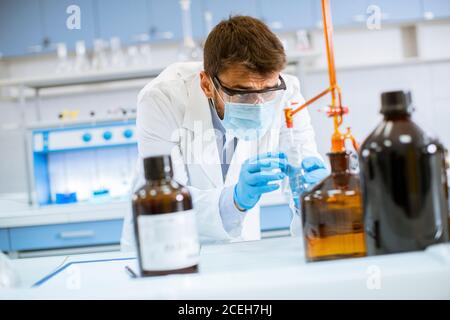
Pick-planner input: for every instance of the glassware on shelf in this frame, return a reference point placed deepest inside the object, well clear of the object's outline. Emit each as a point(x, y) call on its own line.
point(189, 51)
point(332, 214)
point(99, 57)
point(145, 52)
point(118, 59)
point(81, 59)
point(303, 44)
point(63, 65)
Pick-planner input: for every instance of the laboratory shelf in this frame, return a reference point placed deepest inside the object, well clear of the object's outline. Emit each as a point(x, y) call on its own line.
point(96, 76)
point(88, 77)
point(66, 235)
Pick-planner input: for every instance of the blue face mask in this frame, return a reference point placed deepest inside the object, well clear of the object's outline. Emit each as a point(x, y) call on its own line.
point(249, 121)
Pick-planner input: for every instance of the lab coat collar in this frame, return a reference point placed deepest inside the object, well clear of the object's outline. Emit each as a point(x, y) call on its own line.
point(197, 106)
point(197, 119)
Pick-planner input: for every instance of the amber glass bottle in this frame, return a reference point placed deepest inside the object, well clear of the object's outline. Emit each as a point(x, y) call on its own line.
point(404, 186)
point(332, 214)
point(164, 222)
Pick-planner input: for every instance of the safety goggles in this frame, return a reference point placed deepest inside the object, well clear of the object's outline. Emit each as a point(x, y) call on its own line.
point(251, 96)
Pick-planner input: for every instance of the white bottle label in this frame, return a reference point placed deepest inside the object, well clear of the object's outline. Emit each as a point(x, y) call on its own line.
point(168, 241)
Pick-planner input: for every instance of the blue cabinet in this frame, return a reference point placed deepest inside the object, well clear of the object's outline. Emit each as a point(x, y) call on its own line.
point(220, 9)
point(55, 16)
point(4, 240)
point(436, 9)
point(165, 19)
point(287, 15)
point(128, 21)
point(399, 10)
point(66, 235)
point(20, 27)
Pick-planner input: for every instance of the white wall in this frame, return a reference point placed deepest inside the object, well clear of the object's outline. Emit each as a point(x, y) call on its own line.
point(429, 82)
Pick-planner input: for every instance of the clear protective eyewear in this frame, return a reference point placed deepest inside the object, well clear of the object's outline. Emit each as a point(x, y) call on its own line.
point(251, 96)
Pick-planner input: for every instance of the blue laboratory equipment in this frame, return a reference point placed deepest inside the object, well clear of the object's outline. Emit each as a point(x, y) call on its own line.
point(84, 162)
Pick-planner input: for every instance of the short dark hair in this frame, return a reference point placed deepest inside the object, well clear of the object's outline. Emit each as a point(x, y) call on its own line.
point(245, 41)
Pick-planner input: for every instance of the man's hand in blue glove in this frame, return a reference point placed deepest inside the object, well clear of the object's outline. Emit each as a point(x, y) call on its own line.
point(314, 171)
point(257, 177)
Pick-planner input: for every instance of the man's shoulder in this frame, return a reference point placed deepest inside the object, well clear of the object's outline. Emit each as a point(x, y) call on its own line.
point(173, 80)
point(291, 80)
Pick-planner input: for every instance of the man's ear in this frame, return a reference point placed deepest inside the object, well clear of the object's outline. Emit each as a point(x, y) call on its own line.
point(206, 85)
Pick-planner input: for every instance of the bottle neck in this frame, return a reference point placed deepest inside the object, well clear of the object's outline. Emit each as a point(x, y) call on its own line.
point(159, 181)
point(339, 162)
point(397, 116)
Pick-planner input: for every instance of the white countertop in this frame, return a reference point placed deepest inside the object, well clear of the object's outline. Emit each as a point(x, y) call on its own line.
point(266, 269)
point(20, 214)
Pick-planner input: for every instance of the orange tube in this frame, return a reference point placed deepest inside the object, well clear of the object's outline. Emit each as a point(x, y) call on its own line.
point(337, 139)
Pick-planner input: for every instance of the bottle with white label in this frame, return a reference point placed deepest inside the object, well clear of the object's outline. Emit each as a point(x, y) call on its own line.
point(164, 222)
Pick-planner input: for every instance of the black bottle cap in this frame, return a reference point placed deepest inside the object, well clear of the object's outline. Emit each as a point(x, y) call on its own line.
point(398, 102)
point(158, 167)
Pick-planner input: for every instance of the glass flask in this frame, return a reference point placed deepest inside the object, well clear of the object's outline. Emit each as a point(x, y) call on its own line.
point(189, 51)
point(63, 65)
point(81, 60)
point(404, 182)
point(332, 214)
point(164, 222)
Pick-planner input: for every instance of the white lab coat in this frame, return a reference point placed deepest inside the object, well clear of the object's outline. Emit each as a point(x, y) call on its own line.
point(172, 112)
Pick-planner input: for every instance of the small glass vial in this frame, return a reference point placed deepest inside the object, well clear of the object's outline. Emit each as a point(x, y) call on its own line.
point(164, 222)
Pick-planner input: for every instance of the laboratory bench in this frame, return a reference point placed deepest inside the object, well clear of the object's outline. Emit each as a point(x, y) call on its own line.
point(266, 269)
point(87, 225)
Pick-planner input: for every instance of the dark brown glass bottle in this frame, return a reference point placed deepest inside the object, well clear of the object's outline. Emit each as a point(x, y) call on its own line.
point(332, 214)
point(164, 222)
point(403, 182)
point(446, 185)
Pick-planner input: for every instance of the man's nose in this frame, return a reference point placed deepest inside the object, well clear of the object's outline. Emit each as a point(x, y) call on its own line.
point(258, 99)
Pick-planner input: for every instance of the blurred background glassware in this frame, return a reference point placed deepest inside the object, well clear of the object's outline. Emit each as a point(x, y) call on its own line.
point(64, 65)
point(133, 57)
point(8, 277)
point(294, 184)
point(208, 21)
point(302, 41)
point(189, 51)
point(332, 214)
point(124, 112)
point(118, 59)
point(145, 50)
point(81, 59)
point(99, 56)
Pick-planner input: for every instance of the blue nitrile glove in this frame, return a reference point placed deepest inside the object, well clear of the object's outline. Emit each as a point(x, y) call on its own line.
point(314, 171)
point(257, 177)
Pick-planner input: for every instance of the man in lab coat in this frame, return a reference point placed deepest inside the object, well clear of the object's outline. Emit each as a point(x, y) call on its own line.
point(222, 122)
